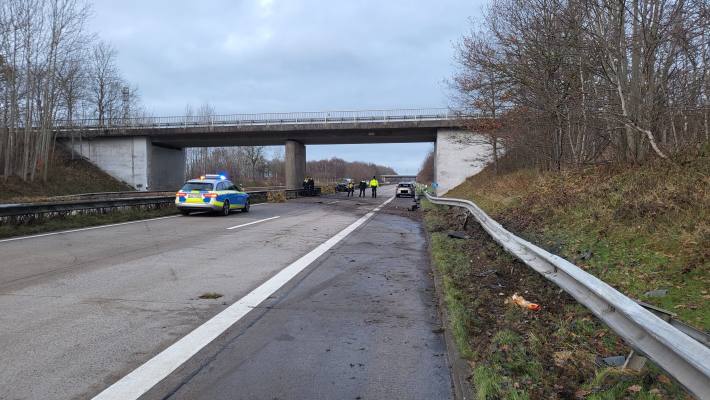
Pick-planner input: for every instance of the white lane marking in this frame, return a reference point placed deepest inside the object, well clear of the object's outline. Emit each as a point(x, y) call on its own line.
point(333, 202)
point(143, 378)
point(85, 229)
point(254, 222)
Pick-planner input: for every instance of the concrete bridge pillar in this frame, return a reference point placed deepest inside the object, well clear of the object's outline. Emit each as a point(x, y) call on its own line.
point(136, 161)
point(458, 155)
point(295, 164)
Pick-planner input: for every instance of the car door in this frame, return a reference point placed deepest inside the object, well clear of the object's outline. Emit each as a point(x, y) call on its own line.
point(243, 196)
point(235, 196)
point(221, 194)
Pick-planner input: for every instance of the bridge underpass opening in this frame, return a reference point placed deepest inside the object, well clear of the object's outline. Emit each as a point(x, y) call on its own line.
point(402, 158)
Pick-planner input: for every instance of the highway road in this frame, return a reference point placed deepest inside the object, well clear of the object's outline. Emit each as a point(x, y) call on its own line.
point(321, 298)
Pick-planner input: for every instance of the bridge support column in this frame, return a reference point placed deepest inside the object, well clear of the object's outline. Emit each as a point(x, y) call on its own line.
point(459, 154)
point(295, 164)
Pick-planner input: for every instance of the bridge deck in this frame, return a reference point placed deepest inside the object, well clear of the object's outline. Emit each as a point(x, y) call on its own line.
point(391, 126)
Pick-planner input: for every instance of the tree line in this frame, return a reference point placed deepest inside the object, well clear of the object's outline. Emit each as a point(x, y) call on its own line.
point(573, 82)
point(52, 71)
point(262, 166)
point(334, 169)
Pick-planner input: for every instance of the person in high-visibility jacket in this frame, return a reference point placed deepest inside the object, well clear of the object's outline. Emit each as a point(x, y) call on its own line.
point(374, 184)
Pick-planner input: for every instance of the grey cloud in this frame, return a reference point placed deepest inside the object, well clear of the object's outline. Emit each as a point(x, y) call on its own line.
point(285, 55)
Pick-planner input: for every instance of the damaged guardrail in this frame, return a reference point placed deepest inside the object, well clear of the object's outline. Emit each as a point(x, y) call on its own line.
point(19, 213)
point(682, 356)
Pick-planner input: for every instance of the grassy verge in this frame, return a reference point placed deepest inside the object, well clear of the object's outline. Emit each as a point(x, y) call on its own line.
point(639, 228)
point(65, 177)
point(515, 353)
point(82, 221)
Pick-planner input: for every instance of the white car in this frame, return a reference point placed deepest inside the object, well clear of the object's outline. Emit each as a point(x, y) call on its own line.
point(405, 189)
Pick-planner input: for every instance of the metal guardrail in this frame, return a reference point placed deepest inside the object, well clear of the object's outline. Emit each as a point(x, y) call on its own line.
point(9, 211)
point(683, 357)
point(324, 117)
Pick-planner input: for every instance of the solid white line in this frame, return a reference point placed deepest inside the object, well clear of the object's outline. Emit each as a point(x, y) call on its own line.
point(85, 229)
point(143, 378)
point(254, 222)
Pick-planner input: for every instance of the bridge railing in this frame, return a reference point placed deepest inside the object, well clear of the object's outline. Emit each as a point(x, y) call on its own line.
point(324, 117)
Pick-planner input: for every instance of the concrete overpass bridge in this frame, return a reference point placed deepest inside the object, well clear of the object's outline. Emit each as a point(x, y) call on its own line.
point(149, 153)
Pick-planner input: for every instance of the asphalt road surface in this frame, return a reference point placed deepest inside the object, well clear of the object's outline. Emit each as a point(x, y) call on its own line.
point(83, 310)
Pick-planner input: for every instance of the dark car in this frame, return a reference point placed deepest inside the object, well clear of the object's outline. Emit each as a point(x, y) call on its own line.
point(343, 186)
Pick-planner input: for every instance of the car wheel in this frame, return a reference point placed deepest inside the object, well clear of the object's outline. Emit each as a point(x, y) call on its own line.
point(184, 212)
point(246, 207)
point(225, 208)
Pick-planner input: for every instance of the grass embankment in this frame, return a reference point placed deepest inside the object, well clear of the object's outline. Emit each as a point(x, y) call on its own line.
point(65, 176)
point(59, 223)
point(638, 228)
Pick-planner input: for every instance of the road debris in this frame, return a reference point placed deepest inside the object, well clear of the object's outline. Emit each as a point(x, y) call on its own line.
point(486, 273)
point(656, 293)
point(612, 361)
point(520, 300)
point(458, 235)
point(210, 295)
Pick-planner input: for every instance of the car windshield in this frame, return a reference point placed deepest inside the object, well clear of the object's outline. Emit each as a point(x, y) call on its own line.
point(405, 185)
point(190, 186)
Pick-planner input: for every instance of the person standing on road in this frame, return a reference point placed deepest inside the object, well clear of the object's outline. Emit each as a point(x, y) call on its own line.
point(374, 184)
point(311, 186)
point(363, 187)
point(351, 189)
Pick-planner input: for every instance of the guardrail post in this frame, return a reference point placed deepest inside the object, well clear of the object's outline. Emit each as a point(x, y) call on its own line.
point(634, 362)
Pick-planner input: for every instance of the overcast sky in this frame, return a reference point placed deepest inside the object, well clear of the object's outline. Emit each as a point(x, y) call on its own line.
point(290, 55)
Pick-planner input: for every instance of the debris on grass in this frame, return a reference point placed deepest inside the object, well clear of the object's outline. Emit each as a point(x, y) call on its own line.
point(211, 295)
point(656, 293)
point(520, 301)
point(611, 361)
point(458, 235)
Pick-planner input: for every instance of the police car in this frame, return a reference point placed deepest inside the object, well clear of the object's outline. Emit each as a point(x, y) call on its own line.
point(211, 193)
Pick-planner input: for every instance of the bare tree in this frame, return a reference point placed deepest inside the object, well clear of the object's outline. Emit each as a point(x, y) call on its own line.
point(588, 80)
point(39, 41)
point(255, 157)
point(104, 81)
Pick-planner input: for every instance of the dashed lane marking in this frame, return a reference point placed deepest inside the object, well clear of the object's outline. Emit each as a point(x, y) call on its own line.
point(253, 222)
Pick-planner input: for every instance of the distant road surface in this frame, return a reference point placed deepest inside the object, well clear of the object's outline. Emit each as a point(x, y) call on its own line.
point(349, 311)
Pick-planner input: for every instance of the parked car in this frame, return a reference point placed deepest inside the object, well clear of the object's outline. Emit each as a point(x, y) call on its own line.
point(405, 189)
point(343, 185)
point(211, 193)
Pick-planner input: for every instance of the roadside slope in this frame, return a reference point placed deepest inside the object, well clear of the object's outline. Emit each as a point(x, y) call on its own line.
point(65, 176)
point(643, 229)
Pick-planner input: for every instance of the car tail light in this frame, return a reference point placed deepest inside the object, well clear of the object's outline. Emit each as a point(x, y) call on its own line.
point(181, 194)
point(210, 195)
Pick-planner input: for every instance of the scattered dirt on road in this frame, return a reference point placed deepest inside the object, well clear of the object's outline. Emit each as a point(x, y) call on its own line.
point(210, 296)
